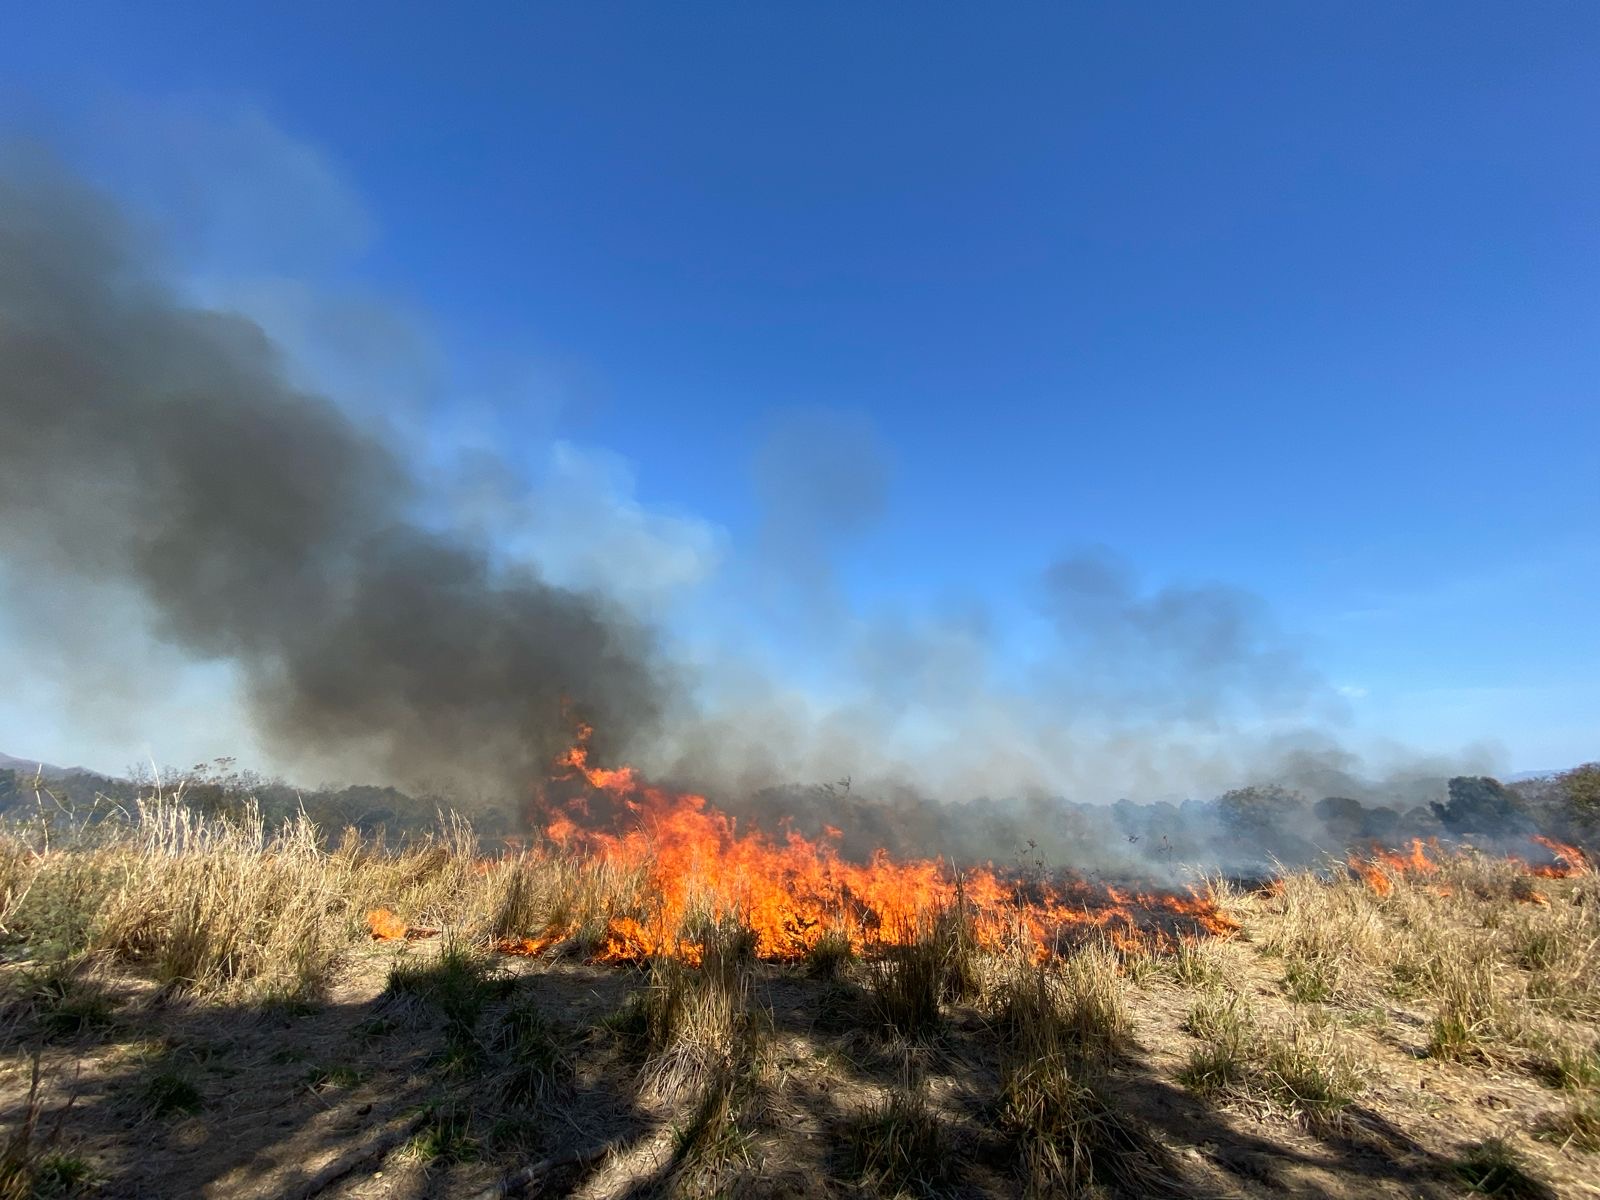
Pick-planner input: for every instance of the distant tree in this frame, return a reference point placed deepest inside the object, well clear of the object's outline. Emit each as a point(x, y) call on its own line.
point(1258, 808)
point(1421, 821)
point(1580, 788)
point(8, 787)
point(1342, 817)
point(1265, 822)
point(1381, 824)
point(1482, 805)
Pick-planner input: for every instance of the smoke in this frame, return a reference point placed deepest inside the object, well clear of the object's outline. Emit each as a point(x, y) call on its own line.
point(165, 471)
point(159, 451)
point(1182, 653)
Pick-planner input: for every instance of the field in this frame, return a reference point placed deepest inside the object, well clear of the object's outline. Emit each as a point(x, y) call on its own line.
point(202, 1006)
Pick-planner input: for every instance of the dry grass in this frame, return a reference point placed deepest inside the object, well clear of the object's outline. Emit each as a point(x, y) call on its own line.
point(1480, 965)
point(1299, 1069)
point(692, 1024)
point(1061, 1027)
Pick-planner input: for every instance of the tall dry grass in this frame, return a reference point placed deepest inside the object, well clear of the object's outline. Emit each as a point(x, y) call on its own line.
point(223, 904)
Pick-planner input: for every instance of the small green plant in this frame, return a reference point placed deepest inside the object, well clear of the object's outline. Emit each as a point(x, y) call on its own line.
point(1307, 981)
point(339, 1077)
point(1577, 1124)
point(1137, 958)
point(445, 1136)
point(906, 982)
point(1572, 1068)
point(1303, 1070)
point(1308, 1072)
point(166, 1093)
point(62, 1002)
point(711, 1143)
point(1471, 1019)
point(540, 1066)
point(57, 1174)
point(1494, 1168)
point(1222, 1017)
point(457, 984)
point(896, 1146)
point(1193, 964)
point(30, 1167)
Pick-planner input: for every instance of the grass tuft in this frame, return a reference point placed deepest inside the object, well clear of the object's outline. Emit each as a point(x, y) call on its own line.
point(829, 955)
point(896, 1146)
point(445, 1136)
point(1494, 1168)
point(167, 1093)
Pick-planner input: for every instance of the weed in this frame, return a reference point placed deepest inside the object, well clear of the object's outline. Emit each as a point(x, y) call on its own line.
point(1059, 1029)
point(1307, 981)
point(710, 1142)
point(61, 1001)
point(906, 982)
point(1494, 1168)
point(1577, 1124)
point(56, 1174)
point(896, 1145)
point(829, 955)
point(445, 1136)
point(1563, 1065)
point(458, 983)
point(327, 1078)
point(1309, 1072)
point(540, 1066)
point(30, 1168)
point(1304, 1070)
point(166, 1093)
point(1193, 964)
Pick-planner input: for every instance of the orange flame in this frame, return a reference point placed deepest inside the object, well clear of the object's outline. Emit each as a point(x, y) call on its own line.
point(385, 926)
point(1380, 868)
point(791, 890)
point(1569, 860)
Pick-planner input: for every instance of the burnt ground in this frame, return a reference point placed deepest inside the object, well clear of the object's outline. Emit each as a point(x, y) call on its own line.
point(365, 1096)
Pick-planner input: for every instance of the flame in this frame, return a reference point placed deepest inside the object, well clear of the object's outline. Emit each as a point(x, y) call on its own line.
point(385, 926)
point(791, 890)
point(1569, 860)
point(1380, 868)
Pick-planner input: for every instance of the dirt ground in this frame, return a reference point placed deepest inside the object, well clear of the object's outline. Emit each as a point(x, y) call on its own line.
point(359, 1096)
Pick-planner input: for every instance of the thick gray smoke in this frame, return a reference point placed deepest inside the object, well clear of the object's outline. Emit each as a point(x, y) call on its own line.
point(159, 473)
point(158, 447)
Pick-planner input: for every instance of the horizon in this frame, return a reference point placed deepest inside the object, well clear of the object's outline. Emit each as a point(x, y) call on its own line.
point(1058, 398)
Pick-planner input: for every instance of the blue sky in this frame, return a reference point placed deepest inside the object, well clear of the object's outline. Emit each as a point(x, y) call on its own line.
point(1298, 298)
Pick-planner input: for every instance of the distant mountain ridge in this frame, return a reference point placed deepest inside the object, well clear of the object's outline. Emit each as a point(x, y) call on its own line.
point(49, 770)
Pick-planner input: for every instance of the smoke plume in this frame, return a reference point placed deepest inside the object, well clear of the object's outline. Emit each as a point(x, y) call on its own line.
point(160, 472)
point(158, 447)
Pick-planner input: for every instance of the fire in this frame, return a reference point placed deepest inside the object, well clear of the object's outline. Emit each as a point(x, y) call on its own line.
point(387, 927)
point(1380, 868)
point(1569, 860)
point(791, 890)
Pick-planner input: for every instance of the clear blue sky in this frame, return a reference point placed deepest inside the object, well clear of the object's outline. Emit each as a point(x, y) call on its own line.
point(1299, 297)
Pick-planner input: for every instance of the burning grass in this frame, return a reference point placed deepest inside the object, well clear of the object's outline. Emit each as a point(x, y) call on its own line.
point(746, 974)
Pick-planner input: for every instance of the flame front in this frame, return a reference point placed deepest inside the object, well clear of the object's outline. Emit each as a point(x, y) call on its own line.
point(792, 890)
point(1380, 868)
